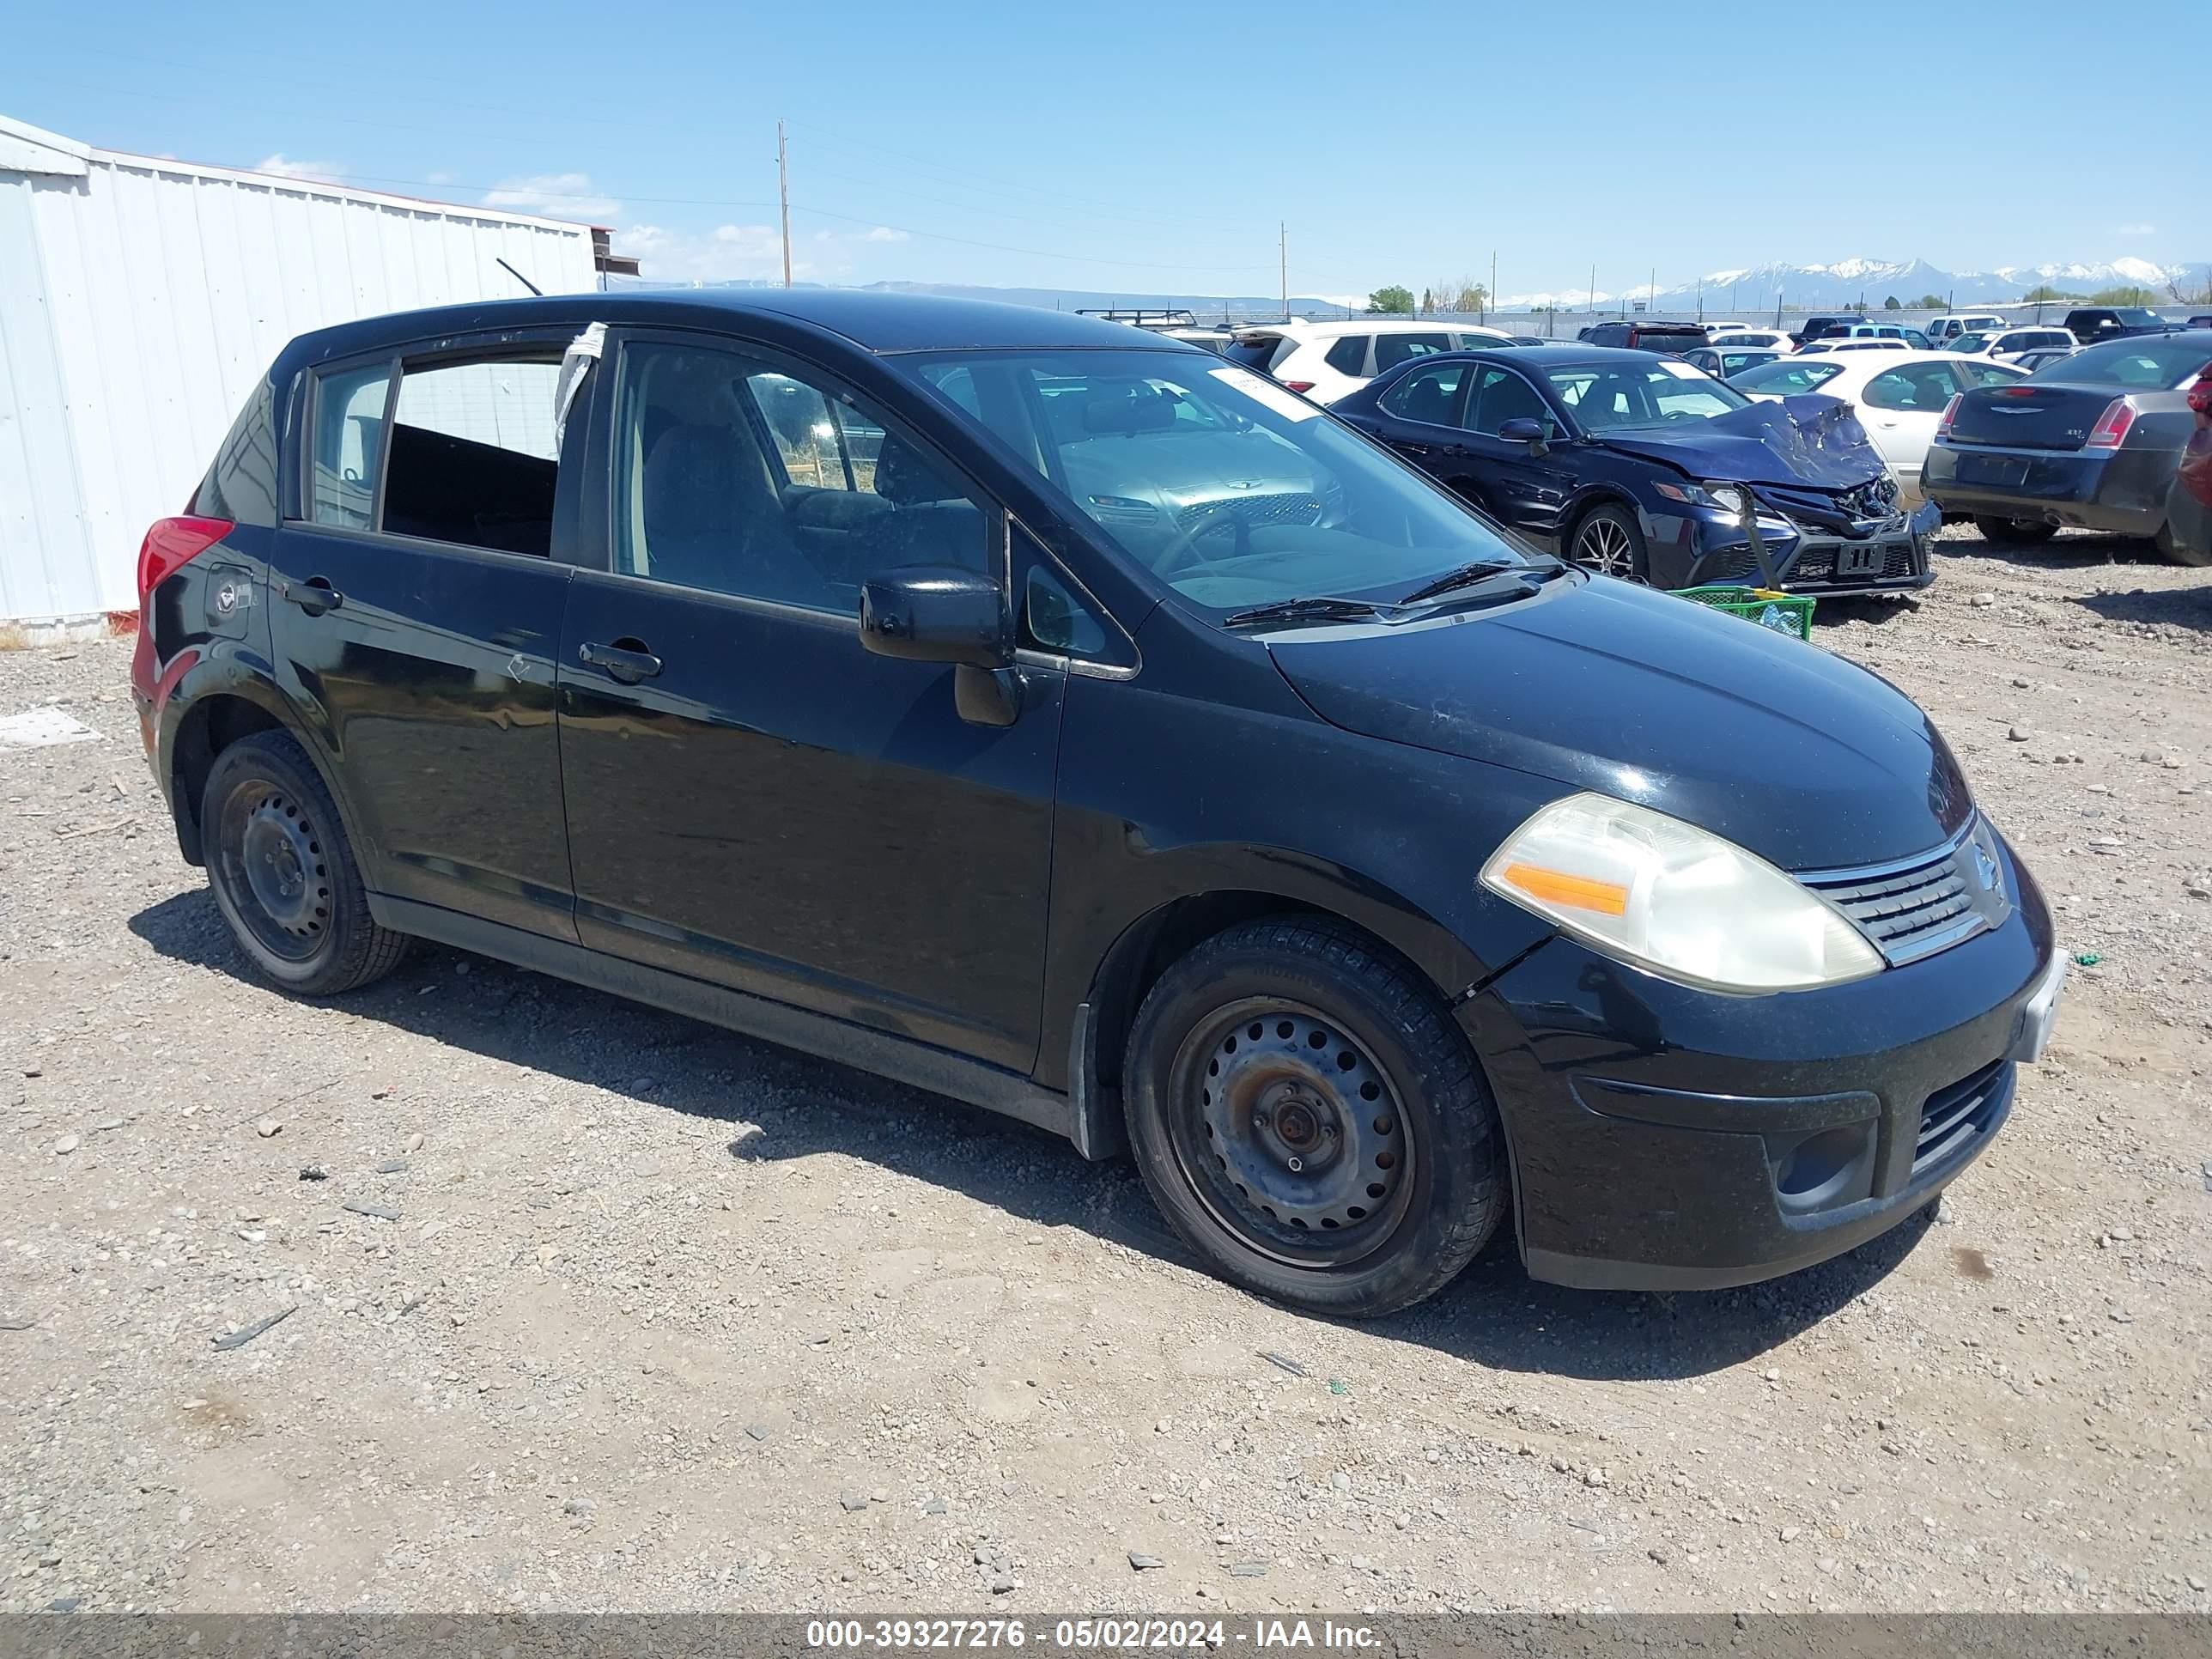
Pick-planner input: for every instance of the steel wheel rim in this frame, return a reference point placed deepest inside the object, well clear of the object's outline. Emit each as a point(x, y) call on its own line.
point(273, 870)
point(1603, 545)
point(1291, 1134)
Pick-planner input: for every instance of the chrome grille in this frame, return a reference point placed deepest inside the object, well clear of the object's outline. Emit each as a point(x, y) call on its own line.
point(1916, 906)
point(1952, 1119)
point(1254, 510)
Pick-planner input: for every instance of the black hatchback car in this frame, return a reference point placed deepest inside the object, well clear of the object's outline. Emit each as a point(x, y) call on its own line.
point(1645, 467)
point(1077, 725)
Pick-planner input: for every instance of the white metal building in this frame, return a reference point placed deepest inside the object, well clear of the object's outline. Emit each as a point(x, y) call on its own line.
point(139, 299)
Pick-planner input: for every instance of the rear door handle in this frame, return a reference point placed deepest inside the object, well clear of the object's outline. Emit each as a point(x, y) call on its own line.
point(315, 596)
point(626, 659)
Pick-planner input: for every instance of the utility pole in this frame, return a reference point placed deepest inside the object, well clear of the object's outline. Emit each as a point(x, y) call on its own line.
point(783, 199)
point(1651, 293)
point(1490, 295)
point(1593, 304)
point(1283, 255)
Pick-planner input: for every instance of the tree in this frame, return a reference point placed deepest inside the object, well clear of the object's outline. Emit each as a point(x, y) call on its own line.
point(2043, 294)
point(1473, 296)
point(1928, 302)
point(2128, 294)
point(1395, 299)
point(1889, 303)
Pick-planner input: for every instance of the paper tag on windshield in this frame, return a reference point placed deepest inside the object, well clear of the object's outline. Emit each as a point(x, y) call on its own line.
point(1288, 404)
point(1680, 370)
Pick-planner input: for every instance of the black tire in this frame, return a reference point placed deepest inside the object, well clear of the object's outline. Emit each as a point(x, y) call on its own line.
point(1358, 1113)
point(2031, 532)
point(1607, 540)
point(2174, 550)
point(283, 874)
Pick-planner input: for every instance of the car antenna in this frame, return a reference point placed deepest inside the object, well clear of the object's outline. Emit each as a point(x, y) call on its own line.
point(520, 277)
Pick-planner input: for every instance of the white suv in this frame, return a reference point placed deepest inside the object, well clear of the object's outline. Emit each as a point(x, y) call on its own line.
point(1327, 359)
point(1944, 330)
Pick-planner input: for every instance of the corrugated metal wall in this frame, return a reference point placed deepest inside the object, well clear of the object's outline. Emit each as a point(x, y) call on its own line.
point(139, 301)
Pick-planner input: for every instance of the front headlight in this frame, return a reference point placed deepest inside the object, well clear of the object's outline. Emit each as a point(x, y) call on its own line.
point(1674, 898)
point(1726, 497)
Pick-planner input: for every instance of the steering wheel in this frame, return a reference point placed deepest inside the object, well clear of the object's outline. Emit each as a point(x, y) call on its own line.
point(1205, 519)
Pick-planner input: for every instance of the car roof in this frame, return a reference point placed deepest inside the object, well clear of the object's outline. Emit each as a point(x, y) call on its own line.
point(875, 322)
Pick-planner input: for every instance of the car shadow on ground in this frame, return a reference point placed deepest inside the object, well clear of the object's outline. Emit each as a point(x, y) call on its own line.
point(2176, 607)
point(2070, 550)
point(779, 1104)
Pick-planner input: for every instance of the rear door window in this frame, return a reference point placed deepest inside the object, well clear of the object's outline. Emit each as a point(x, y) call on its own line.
point(1391, 349)
point(1503, 396)
point(473, 454)
point(1348, 356)
point(1429, 395)
point(1919, 388)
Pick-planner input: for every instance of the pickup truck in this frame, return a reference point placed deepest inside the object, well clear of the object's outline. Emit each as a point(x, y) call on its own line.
point(2094, 323)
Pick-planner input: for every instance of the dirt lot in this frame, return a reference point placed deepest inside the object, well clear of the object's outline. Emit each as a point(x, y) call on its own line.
point(599, 1308)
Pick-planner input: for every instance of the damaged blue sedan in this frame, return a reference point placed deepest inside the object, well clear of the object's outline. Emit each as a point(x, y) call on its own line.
point(1639, 466)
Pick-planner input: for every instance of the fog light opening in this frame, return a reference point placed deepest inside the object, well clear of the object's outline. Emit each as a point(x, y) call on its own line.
point(1818, 1167)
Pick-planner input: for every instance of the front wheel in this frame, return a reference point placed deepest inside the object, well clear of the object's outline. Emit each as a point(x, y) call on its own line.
point(2031, 532)
point(1610, 542)
point(283, 876)
point(1310, 1120)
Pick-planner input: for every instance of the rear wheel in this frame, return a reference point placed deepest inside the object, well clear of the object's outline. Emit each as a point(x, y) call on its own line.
point(1608, 540)
point(1310, 1120)
point(283, 876)
point(2032, 531)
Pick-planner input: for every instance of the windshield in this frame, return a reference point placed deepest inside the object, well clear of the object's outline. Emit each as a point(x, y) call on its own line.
point(1785, 377)
point(2137, 316)
point(1634, 397)
point(1234, 491)
point(1968, 343)
point(2156, 361)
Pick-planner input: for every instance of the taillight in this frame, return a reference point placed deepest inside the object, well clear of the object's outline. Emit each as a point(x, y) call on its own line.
point(2111, 426)
point(171, 544)
point(1299, 386)
point(1950, 413)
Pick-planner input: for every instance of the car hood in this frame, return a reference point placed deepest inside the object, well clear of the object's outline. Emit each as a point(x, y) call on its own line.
point(1807, 760)
point(1805, 440)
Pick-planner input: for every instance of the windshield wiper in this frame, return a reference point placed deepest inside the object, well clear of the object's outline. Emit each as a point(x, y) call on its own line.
point(1306, 609)
point(1465, 576)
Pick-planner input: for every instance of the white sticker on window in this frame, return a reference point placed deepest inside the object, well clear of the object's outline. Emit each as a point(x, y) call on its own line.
point(1288, 404)
point(1681, 370)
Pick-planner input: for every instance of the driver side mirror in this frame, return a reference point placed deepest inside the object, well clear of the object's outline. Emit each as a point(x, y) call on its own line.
point(936, 613)
point(1522, 429)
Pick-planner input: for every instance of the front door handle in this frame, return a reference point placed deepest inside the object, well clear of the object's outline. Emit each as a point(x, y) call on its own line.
point(626, 659)
point(315, 596)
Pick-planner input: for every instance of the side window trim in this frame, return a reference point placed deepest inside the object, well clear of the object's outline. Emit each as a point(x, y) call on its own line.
point(1042, 656)
point(299, 503)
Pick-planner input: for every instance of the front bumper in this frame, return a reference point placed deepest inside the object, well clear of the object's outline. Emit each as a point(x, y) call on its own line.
point(1698, 545)
point(1665, 1137)
point(2122, 491)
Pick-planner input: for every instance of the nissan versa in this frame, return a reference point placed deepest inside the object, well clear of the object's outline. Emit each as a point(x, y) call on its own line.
point(1079, 725)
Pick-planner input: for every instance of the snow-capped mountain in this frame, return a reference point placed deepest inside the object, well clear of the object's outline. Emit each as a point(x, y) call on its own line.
point(1849, 281)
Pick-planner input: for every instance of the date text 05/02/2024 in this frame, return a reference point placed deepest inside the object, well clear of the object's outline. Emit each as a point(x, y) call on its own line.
point(1090, 1635)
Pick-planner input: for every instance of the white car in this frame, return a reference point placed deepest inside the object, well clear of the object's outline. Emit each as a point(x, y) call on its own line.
point(2006, 345)
point(1758, 339)
point(1899, 396)
point(1950, 327)
point(1845, 343)
point(1325, 361)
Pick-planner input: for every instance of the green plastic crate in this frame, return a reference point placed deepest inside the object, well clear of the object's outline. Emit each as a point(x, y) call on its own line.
point(1785, 613)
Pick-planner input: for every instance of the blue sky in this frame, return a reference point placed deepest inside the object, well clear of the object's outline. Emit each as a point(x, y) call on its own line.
point(1153, 148)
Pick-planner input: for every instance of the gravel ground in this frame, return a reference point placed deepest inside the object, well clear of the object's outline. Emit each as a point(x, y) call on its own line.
point(597, 1308)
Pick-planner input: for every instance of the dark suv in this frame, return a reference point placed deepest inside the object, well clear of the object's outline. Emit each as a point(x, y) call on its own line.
point(1060, 718)
point(1674, 338)
point(2092, 324)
